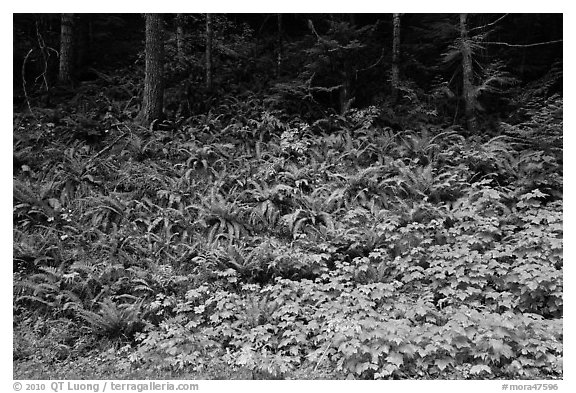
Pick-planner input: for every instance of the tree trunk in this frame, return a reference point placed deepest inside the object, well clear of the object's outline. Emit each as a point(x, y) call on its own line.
point(209, 35)
point(66, 49)
point(346, 98)
point(279, 57)
point(468, 76)
point(180, 35)
point(395, 77)
point(153, 99)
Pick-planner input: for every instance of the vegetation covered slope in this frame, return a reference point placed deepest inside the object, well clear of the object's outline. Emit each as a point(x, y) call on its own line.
point(246, 239)
point(256, 233)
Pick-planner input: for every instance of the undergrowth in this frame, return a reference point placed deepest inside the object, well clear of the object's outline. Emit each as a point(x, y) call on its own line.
point(274, 248)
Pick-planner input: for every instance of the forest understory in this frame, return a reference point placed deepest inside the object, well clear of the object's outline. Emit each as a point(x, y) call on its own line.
point(256, 232)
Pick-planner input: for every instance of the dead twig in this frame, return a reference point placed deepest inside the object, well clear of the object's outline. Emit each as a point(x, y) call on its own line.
point(24, 81)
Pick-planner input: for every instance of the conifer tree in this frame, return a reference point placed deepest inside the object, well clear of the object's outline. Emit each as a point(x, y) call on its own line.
point(66, 49)
point(152, 103)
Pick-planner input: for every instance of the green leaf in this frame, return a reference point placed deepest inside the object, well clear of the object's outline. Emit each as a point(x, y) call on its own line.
point(408, 349)
point(386, 371)
point(442, 363)
point(363, 366)
point(477, 369)
point(395, 358)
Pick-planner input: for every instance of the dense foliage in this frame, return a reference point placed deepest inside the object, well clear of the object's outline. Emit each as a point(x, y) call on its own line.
point(268, 236)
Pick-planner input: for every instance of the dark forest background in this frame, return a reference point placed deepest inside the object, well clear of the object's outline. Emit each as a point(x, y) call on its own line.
point(247, 47)
point(288, 196)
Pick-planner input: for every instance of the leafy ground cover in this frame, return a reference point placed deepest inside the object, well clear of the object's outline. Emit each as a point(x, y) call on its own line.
point(250, 243)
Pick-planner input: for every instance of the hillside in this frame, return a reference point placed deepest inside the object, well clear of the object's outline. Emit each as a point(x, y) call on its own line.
point(267, 235)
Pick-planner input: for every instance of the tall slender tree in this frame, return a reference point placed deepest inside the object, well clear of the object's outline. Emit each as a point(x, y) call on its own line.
point(180, 35)
point(66, 49)
point(346, 98)
point(395, 77)
point(467, 75)
point(153, 100)
point(209, 37)
point(280, 44)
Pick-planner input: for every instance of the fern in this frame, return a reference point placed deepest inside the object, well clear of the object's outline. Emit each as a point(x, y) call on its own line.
point(312, 213)
point(269, 201)
point(362, 186)
point(113, 320)
point(105, 212)
point(48, 289)
point(222, 218)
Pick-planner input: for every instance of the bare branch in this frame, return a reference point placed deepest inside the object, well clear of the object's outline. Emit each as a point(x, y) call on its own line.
point(375, 64)
point(522, 46)
point(489, 24)
point(24, 80)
